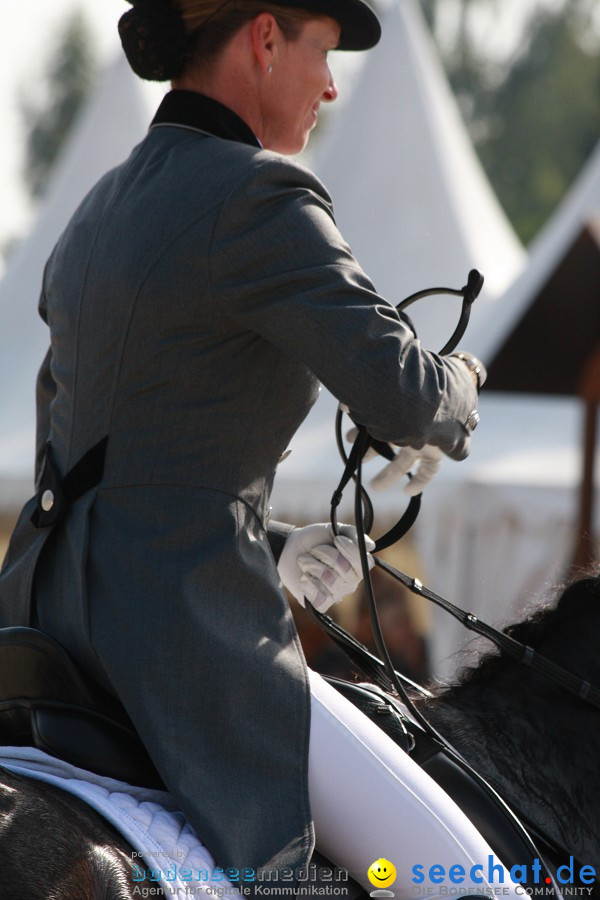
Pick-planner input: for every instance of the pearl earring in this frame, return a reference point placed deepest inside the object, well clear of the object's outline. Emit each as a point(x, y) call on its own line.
point(269, 69)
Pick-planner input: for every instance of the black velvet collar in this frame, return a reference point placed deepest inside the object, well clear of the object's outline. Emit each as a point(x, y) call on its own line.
point(192, 110)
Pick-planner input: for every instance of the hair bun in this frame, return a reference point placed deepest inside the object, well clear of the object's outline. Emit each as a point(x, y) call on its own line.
point(154, 39)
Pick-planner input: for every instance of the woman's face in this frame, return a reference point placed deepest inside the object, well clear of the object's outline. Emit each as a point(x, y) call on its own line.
point(299, 82)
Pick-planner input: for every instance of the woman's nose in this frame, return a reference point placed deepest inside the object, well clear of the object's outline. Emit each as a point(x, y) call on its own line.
point(331, 93)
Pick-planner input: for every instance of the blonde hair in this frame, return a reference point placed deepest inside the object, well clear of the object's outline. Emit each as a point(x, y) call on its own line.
point(211, 23)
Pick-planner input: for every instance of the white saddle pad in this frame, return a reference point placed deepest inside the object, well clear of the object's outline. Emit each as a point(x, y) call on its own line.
point(168, 850)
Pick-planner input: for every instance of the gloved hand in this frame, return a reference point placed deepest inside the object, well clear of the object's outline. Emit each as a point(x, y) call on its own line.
point(426, 460)
point(320, 566)
point(423, 463)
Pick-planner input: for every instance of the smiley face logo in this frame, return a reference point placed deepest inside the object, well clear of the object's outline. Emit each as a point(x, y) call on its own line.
point(382, 873)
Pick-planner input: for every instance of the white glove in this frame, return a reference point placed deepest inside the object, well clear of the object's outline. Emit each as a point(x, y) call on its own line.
point(423, 463)
point(320, 566)
point(426, 460)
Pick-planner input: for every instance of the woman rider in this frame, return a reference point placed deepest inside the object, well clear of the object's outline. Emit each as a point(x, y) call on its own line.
point(197, 297)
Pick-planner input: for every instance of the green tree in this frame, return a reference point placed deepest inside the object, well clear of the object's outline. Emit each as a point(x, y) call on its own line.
point(543, 121)
point(535, 117)
point(454, 26)
point(48, 120)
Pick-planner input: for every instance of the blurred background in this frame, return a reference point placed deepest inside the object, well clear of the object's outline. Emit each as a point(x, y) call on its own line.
point(467, 138)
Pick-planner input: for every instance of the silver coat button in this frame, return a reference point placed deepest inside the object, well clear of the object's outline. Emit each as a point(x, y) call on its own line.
point(47, 501)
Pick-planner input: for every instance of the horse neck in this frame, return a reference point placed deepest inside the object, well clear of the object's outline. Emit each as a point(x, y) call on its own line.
point(537, 749)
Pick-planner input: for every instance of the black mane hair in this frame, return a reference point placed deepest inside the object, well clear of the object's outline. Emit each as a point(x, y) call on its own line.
point(546, 630)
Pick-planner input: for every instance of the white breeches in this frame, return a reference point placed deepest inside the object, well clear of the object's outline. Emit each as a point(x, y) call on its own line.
point(370, 800)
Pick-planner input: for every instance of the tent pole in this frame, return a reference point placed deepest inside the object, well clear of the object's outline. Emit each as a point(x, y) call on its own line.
point(585, 546)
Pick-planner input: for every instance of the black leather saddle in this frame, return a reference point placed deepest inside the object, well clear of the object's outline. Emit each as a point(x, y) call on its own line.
point(48, 703)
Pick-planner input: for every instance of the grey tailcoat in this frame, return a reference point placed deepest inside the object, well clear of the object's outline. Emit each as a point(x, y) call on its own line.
point(197, 297)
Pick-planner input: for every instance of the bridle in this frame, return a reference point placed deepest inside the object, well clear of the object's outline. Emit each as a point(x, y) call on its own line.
point(379, 668)
point(382, 670)
point(364, 441)
point(520, 652)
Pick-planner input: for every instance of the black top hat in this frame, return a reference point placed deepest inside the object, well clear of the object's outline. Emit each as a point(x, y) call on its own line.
point(360, 28)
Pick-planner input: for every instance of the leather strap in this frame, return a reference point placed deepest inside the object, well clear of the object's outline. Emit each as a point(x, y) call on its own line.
point(522, 653)
point(54, 495)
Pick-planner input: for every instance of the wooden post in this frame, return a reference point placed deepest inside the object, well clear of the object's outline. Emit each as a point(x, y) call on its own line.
point(585, 545)
point(586, 551)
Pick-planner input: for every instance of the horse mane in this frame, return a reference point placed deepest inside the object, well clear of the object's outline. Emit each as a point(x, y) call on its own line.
point(542, 628)
point(534, 742)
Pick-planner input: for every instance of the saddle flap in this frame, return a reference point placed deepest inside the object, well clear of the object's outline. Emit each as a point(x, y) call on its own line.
point(94, 743)
point(47, 702)
point(34, 665)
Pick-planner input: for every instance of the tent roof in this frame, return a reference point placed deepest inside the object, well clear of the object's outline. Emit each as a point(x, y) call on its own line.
point(409, 193)
point(556, 246)
point(114, 120)
point(548, 348)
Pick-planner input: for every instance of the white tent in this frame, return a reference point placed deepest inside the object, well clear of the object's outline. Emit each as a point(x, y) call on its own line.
point(497, 531)
point(409, 193)
point(503, 531)
point(115, 119)
point(411, 199)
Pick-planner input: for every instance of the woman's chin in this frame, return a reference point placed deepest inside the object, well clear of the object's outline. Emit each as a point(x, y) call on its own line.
point(290, 148)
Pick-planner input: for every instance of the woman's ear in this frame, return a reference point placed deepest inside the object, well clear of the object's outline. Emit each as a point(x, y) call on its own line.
point(265, 35)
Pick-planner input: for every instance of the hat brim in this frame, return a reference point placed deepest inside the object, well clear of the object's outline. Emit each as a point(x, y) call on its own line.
point(360, 28)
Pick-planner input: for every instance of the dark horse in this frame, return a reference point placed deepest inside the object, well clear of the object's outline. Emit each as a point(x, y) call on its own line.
point(55, 847)
point(538, 746)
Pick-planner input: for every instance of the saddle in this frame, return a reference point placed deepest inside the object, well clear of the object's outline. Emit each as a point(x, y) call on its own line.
point(503, 830)
point(47, 702)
